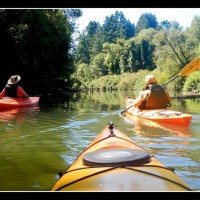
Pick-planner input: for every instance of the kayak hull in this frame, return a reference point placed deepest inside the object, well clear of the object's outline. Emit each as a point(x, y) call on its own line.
point(7, 102)
point(113, 162)
point(160, 115)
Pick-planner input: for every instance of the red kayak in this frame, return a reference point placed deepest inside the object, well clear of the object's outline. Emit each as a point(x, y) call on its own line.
point(8, 102)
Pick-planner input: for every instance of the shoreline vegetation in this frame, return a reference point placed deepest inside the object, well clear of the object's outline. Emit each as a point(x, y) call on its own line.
point(68, 92)
point(116, 55)
point(188, 96)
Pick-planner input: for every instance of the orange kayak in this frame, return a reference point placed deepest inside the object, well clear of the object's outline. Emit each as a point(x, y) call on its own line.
point(159, 115)
point(7, 102)
point(114, 162)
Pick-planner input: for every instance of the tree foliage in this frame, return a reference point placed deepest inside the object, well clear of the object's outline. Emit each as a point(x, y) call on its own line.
point(40, 47)
point(161, 48)
point(38, 43)
point(146, 20)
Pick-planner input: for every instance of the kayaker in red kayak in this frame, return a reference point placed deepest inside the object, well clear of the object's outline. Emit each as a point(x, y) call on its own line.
point(13, 89)
point(153, 96)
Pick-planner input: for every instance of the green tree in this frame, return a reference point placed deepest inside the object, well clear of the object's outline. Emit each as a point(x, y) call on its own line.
point(112, 58)
point(193, 38)
point(98, 62)
point(82, 50)
point(116, 26)
point(165, 24)
point(146, 20)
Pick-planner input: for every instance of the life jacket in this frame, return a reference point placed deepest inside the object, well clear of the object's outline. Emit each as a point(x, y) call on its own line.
point(157, 98)
point(11, 90)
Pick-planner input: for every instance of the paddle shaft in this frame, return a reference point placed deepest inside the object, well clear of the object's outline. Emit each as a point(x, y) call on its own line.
point(126, 109)
point(170, 80)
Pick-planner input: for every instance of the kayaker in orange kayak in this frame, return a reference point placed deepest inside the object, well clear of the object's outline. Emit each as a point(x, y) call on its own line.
point(13, 89)
point(154, 96)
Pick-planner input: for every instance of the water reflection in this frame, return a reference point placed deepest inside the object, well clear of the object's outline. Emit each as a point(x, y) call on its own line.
point(142, 125)
point(12, 119)
point(48, 139)
point(17, 113)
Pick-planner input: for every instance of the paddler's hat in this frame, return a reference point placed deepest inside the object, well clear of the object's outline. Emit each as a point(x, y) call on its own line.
point(14, 79)
point(150, 79)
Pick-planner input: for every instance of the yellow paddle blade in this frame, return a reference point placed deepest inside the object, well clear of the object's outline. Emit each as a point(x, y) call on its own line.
point(189, 68)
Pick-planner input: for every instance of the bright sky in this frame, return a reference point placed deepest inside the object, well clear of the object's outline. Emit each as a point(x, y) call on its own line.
point(182, 15)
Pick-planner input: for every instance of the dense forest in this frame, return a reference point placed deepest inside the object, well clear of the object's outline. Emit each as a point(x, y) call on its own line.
point(39, 45)
point(118, 54)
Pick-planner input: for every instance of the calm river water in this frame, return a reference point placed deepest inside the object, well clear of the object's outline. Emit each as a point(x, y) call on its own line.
point(37, 143)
